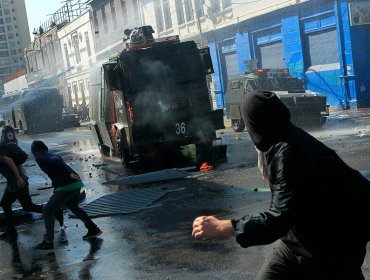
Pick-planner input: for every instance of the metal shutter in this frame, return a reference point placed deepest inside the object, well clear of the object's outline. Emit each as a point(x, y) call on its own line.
point(271, 55)
point(231, 62)
point(322, 47)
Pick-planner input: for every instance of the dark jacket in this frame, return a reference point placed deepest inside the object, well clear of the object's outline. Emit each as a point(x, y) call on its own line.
point(319, 205)
point(13, 151)
point(55, 167)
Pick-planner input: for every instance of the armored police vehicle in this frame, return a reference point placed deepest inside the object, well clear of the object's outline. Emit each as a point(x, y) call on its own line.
point(153, 96)
point(308, 109)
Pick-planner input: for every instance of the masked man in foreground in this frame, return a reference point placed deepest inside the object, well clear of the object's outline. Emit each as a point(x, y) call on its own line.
point(319, 211)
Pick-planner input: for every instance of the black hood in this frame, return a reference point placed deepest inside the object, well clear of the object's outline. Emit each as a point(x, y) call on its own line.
point(267, 119)
point(38, 146)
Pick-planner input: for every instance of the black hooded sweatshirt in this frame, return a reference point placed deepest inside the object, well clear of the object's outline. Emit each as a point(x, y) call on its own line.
point(319, 206)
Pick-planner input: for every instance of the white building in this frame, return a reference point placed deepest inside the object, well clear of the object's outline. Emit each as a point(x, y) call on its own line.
point(78, 55)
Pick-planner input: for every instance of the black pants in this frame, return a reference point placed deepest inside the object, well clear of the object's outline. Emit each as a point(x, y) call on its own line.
point(23, 195)
point(57, 201)
point(283, 264)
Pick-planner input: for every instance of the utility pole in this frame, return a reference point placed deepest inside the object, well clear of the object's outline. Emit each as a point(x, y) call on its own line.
point(197, 10)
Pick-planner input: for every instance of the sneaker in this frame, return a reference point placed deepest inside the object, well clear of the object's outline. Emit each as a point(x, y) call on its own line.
point(92, 233)
point(10, 234)
point(62, 236)
point(44, 246)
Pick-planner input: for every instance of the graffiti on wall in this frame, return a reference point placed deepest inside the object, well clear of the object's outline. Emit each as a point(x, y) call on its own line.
point(359, 13)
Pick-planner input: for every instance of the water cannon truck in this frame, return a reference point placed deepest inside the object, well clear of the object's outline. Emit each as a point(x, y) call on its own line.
point(153, 96)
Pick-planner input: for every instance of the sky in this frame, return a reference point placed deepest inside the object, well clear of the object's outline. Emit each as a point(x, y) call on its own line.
point(38, 10)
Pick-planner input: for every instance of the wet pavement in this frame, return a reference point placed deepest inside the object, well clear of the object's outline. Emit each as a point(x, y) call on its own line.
point(156, 243)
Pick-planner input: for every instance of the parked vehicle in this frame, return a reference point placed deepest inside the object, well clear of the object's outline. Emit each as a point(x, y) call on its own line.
point(153, 96)
point(70, 120)
point(33, 110)
point(308, 109)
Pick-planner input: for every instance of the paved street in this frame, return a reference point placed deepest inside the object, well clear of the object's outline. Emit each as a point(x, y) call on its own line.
point(156, 243)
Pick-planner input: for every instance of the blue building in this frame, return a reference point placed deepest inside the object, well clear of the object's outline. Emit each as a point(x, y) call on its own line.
point(323, 42)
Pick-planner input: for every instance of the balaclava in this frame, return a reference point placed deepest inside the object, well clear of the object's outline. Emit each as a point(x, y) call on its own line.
point(267, 119)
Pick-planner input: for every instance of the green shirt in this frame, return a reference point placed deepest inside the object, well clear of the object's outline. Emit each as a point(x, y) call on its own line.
point(70, 187)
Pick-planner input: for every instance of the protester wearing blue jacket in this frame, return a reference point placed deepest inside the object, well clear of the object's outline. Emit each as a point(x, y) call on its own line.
point(67, 185)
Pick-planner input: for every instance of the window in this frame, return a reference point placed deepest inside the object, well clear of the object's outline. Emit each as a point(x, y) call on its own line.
point(75, 91)
point(2, 29)
point(180, 12)
point(113, 12)
point(6, 3)
point(2, 37)
point(189, 10)
point(124, 11)
point(12, 44)
point(88, 47)
point(135, 8)
point(4, 54)
point(76, 47)
point(4, 61)
point(67, 55)
point(104, 17)
point(13, 52)
point(7, 12)
point(96, 22)
point(159, 17)
point(226, 4)
point(87, 83)
point(15, 60)
point(167, 14)
point(9, 28)
point(69, 92)
point(4, 45)
point(82, 90)
point(215, 6)
point(10, 36)
point(5, 70)
point(8, 20)
point(200, 8)
point(163, 15)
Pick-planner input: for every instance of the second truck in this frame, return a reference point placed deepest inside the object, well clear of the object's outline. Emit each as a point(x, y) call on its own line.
point(308, 109)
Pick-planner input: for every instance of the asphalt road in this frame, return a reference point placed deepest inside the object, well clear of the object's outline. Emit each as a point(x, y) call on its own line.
point(156, 243)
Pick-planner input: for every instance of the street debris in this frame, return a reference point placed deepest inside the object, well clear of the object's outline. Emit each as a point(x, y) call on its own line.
point(167, 174)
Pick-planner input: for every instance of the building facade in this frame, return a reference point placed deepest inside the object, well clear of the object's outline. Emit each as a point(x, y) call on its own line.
point(323, 42)
point(14, 36)
point(48, 62)
point(110, 18)
point(78, 56)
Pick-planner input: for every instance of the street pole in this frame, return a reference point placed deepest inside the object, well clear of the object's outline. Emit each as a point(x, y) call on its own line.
point(198, 20)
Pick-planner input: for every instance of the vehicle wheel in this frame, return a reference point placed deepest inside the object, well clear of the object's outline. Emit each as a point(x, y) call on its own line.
point(238, 125)
point(125, 157)
point(104, 150)
point(121, 151)
point(323, 120)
